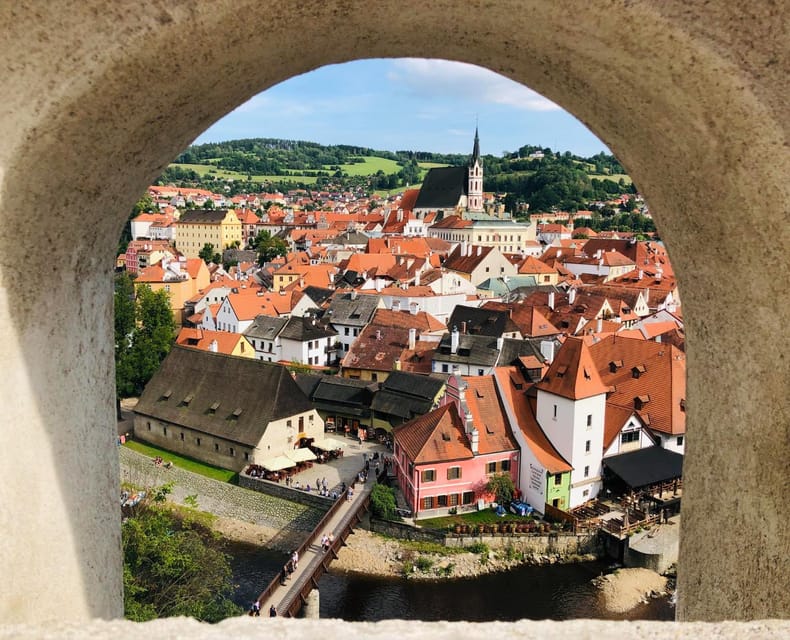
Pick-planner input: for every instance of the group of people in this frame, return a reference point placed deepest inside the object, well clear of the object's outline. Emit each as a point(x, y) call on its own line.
point(255, 610)
point(326, 541)
point(158, 462)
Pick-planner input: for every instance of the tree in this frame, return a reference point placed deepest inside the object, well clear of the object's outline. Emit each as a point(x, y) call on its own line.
point(206, 254)
point(171, 567)
point(268, 247)
point(501, 485)
point(382, 502)
point(144, 333)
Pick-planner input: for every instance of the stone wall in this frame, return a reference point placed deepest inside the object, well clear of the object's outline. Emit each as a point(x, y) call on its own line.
point(221, 498)
point(312, 499)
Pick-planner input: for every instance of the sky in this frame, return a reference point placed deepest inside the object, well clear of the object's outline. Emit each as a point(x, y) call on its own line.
point(407, 104)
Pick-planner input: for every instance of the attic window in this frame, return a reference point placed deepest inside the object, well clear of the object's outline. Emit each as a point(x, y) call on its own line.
point(561, 371)
point(638, 370)
point(166, 395)
point(489, 430)
point(614, 365)
point(445, 436)
point(213, 408)
point(682, 404)
point(587, 375)
point(237, 412)
point(188, 398)
point(641, 401)
point(479, 393)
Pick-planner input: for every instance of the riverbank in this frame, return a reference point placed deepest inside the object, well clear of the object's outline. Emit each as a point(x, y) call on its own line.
point(370, 553)
point(624, 589)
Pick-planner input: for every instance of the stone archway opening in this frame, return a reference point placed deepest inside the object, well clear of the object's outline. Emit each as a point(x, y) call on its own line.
point(100, 99)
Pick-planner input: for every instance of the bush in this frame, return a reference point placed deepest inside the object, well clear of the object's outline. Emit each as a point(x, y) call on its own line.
point(478, 547)
point(382, 503)
point(423, 563)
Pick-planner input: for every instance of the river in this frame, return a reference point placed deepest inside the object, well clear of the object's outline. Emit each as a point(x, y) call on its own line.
point(556, 592)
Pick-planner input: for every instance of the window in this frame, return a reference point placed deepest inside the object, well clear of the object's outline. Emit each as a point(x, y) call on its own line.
point(679, 441)
point(453, 473)
point(441, 501)
point(197, 441)
point(491, 467)
point(504, 465)
point(555, 412)
point(587, 471)
point(289, 424)
point(149, 426)
point(164, 431)
point(452, 500)
point(589, 419)
point(301, 423)
point(216, 447)
point(346, 330)
point(555, 502)
point(374, 376)
point(468, 497)
point(427, 503)
point(445, 368)
point(428, 475)
point(557, 480)
point(629, 436)
point(246, 455)
point(182, 436)
point(585, 493)
point(587, 446)
point(480, 372)
point(231, 451)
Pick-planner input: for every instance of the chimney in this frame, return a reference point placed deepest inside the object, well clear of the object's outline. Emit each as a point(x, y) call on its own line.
point(551, 300)
point(454, 339)
point(378, 334)
point(463, 248)
point(396, 365)
point(378, 285)
point(396, 304)
point(500, 342)
point(412, 338)
point(463, 326)
point(479, 250)
point(417, 279)
point(213, 346)
point(599, 325)
point(474, 441)
point(353, 294)
point(414, 308)
point(547, 350)
point(571, 296)
point(641, 274)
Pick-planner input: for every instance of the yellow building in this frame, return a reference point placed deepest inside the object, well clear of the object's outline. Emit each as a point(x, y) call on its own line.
point(182, 279)
point(218, 227)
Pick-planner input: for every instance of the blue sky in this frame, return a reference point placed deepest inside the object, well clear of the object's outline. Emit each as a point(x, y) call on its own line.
point(407, 104)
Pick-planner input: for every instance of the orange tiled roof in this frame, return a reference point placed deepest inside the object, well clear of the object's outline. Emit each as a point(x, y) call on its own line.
point(574, 373)
point(201, 339)
point(437, 436)
point(488, 415)
point(513, 385)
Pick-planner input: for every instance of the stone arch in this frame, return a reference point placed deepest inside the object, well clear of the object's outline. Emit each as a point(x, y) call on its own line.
point(98, 98)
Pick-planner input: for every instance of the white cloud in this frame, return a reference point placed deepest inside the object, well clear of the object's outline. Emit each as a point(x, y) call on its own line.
point(433, 79)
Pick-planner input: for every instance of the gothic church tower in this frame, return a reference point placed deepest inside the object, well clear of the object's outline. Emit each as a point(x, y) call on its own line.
point(474, 201)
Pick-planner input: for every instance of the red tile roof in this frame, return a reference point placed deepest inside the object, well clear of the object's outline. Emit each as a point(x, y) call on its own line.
point(437, 436)
point(574, 373)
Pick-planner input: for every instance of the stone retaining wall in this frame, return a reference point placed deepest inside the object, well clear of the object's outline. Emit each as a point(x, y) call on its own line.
point(220, 498)
point(283, 492)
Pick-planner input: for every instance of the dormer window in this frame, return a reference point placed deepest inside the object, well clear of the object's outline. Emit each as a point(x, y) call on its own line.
point(641, 401)
point(166, 395)
point(188, 399)
point(213, 408)
point(683, 404)
point(561, 370)
point(638, 370)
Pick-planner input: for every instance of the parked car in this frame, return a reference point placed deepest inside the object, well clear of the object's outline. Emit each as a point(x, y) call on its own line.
point(520, 508)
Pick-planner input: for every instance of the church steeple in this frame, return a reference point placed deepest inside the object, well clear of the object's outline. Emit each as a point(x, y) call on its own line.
point(475, 150)
point(474, 193)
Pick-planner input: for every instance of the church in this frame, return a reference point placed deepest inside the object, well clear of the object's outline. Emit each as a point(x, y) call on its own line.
point(452, 190)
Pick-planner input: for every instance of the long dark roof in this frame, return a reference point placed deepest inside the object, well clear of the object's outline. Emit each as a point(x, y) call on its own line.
point(483, 350)
point(406, 395)
point(246, 394)
point(303, 329)
point(443, 188)
point(479, 321)
point(354, 312)
point(203, 216)
point(646, 466)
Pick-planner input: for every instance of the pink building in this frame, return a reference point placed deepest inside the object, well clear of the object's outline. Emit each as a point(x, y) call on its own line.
point(444, 459)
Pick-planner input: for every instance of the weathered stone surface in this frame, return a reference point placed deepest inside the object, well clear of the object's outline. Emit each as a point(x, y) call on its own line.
point(98, 97)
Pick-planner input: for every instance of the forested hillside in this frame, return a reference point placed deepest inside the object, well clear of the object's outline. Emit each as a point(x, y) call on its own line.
point(555, 180)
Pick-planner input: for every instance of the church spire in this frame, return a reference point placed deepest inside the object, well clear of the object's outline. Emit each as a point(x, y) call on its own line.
point(474, 192)
point(476, 149)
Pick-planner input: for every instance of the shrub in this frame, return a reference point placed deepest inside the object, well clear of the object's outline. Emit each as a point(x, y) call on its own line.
point(423, 563)
point(382, 502)
point(478, 547)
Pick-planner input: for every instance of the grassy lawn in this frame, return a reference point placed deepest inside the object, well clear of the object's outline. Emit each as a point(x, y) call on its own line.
point(223, 475)
point(615, 177)
point(203, 169)
point(431, 165)
point(371, 166)
point(486, 516)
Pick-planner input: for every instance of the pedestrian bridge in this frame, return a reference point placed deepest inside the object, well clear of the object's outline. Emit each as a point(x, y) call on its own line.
point(289, 595)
